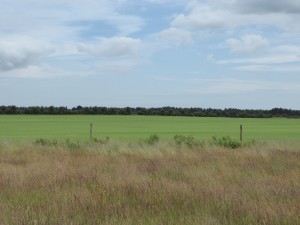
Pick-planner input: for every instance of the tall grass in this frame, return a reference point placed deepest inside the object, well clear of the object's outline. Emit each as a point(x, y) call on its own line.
point(140, 183)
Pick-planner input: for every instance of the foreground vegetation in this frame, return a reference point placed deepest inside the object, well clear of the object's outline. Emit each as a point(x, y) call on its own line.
point(150, 181)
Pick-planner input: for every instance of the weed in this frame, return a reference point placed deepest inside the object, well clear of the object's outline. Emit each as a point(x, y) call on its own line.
point(188, 141)
point(101, 141)
point(226, 142)
point(73, 146)
point(152, 139)
point(46, 142)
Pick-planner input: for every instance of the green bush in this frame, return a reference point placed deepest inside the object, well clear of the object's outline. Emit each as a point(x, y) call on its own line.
point(152, 139)
point(226, 142)
point(101, 140)
point(46, 142)
point(73, 145)
point(188, 141)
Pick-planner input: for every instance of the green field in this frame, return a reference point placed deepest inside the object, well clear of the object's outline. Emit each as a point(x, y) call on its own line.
point(23, 127)
point(50, 175)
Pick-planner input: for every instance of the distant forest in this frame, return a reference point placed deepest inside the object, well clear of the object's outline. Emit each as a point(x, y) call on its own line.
point(161, 111)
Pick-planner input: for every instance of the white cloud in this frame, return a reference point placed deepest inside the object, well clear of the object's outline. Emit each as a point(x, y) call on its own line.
point(176, 36)
point(268, 68)
point(46, 72)
point(232, 86)
point(31, 71)
point(286, 49)
point(57, 14)
point(105, 28)
point(201, 16)
point(20, 52)
point(159, 1)
point(173, 2)
point(222, 14)
point(279, 59)
point(250, 43)
point(112, 47)
point(268, 59)
point(115, 67)
point(224, 86)
point(30, 30)
point(267, 6)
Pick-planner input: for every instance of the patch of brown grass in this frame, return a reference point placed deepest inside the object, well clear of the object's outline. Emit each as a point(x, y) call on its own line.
point(53, 185)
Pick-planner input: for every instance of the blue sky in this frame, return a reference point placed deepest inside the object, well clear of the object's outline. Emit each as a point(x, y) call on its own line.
point(150, 53)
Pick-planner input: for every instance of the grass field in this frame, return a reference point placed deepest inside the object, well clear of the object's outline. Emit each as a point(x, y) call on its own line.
point(23, 127)
point(51, 174)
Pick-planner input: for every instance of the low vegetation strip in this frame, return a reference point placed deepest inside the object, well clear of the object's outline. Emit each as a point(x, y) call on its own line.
point(161, 111)
point(148, 182)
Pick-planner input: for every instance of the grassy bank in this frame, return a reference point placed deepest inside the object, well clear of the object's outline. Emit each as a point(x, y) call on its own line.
point(140, 183)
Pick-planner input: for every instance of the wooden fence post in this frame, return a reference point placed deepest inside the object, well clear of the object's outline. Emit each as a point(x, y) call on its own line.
point(91, 131)
point(241, 133)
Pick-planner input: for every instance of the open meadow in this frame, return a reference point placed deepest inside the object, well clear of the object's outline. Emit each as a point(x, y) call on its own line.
point(25, 127)
point(151, 170)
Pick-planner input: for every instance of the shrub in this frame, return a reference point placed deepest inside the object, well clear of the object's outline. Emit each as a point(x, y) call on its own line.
point(226, 142)
point(152, 139)
point(188, 141)
point(101, 141)
point(73, 145)
point(45, 142)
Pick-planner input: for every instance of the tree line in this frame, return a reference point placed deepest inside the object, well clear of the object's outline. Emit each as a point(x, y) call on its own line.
point(161, 111)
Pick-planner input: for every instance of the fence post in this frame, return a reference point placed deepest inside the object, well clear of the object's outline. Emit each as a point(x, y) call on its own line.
point(91, 131)
point(241, 133)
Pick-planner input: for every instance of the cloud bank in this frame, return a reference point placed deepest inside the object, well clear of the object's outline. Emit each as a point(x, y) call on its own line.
point(21, 52)
point(150, 52)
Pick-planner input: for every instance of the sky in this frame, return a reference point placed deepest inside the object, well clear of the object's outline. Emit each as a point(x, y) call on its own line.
point(150, 53)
